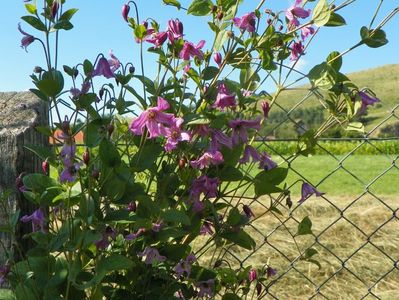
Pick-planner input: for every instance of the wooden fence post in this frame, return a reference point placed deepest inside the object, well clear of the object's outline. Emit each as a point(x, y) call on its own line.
point(19, 114)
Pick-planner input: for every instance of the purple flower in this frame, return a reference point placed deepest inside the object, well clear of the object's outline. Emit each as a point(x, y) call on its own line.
point(156, 227)
point(206, 185)
point(246, 93)
point(151, 256)
point(265, 108)
point(70, 170)
point(37, 219)
point(240, 129)
point(294, 12)
point(252, 275)
point(296, 50)
point(175, 135)
point(219, 138)
point(154, 119)
point(248, 211)
point(224, 98)
point(134, 235)
point(27, 39)
point(266, 162)
point(4, 270)
point(125, 11)
point(307, 190)
point(217, 57)
point(132, 206)
point(202, 130)
point(306, 31)
point(246, 22)
point(113, 62)
point(207, 159)
point(175, 30)
point(157, 38)
point(76, 93)
point(205, 288)
point(249, 152)
point(206, 228)
point(107, 235)
point(103, 68)
point(366, 101)
point(183, 268)
point(190, 50)
point(271, 272)
point(198, 206)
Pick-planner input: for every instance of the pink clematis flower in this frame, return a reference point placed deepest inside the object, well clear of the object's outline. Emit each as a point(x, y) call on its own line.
point(240, 129)
point(219, 138)
point(157, 38)
point(154, 119)
point(306, 31)
point(207, 159)
point(206, 228)
point(183, 268)
point(246, 22)
point(38, 220)
point(224, 98)
point(205, 288)
point(367, 100)
point(175, 30)
point(252, 275)
point(190, 50)
point(108, 235)
point(134, 235)
point(206, 185)
point(113, 62)
point(27, 39)
point(295, 11)
point(217, 57)
point(296, 50)
point(307, 191)
point(151, 256)
point(175, 135)
point(266, 162)
point(249, 152)
point(76, 93)
point(103, 68)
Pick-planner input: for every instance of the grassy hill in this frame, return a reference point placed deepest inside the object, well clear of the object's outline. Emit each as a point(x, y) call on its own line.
point(384, 81)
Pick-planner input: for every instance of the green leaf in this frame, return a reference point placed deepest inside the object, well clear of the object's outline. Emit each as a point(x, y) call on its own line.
point(226, 4)
point(355, 126)
point(140, 32)
point(38, 182)
point(175, 216)
point(240, 238)
point(307, 143)
point(230, 173)
point(230, 296)
point(323, 76)
point(221, 38)
point(335, 60)
point(146, 156)
point(234, 217)
point(240, 59)
point(51, 83)
point(335, 20)
point(109, 154)
point(34, 22)
point(305, 226)
point(321, 13)
point(309, 253)
point(65, 25)
point(41, 151)
point(87, 67)
point(31, 8)
point(373, 38)
point(200, 7)
point(266, 182)
point(172, 3)
point(67, 15)
point(209, 73)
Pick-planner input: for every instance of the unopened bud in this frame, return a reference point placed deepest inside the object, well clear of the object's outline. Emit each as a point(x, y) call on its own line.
point(54, 9)
point(265, 108)
point(86, 156)
point(281, 27)
point(230, 34)
point(252, 275)
point(132, 206)
point(220, 15)
point(182, 163)
point(101, 93)
point(45, 167)
point(95, 174)
point(214, 8)
point(288, 202)
point(269, 21)
point(110, 129)
point(217, 57)
point(248, 211)
point(258, 288)
point(145, 24)
point(125, 11)
point(132, 69)
point(37, 70)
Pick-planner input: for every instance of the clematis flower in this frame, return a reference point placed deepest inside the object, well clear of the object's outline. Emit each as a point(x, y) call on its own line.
point(266, 162)
point(114, 62)
point(156, 227)
point(220, 138)
point(198, 206)
point(154, 119)
point(157, 38)
point(175, 135)
point(151, 256)
point(295, 11)
point(296, 50)
point(202, 130)
point(205, 288)
point(76, 93)
point(27, 39)
point(125, 11)
point(271, 272)
point(224, 98)
point(306, 31)
point(103, 68)
point(183, 268)
point(206, 228)
point(190, 50)
point(134, 235)
point(207, 159)
point(307, 190)
point(38, 220)
point(206, 185)
point(240, 129)
point(366, 101)
point(175, 30)
point(252, 275)
point(246, 93)
point(246, 22)
point(249, 152)
point(149, 31)
point(107, 235)
point(70, 170)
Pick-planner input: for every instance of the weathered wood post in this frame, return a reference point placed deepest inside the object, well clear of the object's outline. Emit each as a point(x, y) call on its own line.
point(19, 114)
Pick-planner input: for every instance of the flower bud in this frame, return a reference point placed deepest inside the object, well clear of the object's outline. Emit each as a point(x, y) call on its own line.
point(258, 288)
point(132, 69)
point(95, 174)
point(265, 108)
point(101, 93)
point(220, 15)
point(248, 211)
point(132, 206)
point(125, 11)
point(86, 156)
point(182, 163)
point(252, 275)
point(45, 167)
point(217, 57)
point(110, 129)
point(288, 202)
point(214, 8)
point(19, 183)
point(54, 9)
point(37, 70)
point(230, 34)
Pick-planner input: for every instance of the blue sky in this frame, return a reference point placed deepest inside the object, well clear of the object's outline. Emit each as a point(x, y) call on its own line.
point(99, 28)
